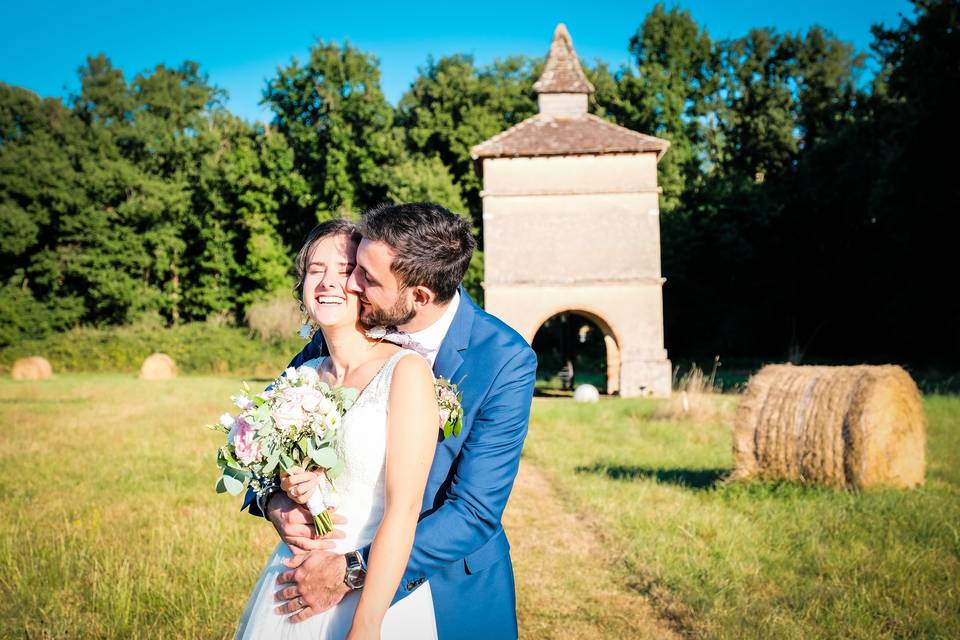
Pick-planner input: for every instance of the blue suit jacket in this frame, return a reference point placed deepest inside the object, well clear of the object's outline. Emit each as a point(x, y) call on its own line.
point(460, 545)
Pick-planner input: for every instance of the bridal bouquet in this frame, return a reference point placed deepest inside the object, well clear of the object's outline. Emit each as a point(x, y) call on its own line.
point(295, 423)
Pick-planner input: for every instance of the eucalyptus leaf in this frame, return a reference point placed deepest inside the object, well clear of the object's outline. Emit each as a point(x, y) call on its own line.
point(262, 414)
point(231, 484)
point(325, 457)
point(229, 457)
point(270, 467)
point(334, 471)
point(236, 473)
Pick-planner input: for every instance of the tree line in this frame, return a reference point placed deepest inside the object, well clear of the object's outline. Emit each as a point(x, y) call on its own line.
point(804, 211)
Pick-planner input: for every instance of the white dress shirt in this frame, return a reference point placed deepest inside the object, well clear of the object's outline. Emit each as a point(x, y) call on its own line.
point(432, 337)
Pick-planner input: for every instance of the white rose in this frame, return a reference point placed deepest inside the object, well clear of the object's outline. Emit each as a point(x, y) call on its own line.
point(290, 374)
point(226, 420)
point(325, 406)
point(288, 414)
point(310, 398)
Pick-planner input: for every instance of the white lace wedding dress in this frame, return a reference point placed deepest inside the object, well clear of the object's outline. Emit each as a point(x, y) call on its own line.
point(360, 491)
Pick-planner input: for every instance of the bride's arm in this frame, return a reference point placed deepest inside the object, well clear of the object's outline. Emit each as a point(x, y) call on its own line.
point(412, 425)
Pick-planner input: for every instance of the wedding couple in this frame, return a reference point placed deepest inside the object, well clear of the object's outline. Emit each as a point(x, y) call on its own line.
point(418, 550)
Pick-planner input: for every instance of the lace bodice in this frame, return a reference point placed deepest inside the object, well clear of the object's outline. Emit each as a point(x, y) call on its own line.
point(360, 487)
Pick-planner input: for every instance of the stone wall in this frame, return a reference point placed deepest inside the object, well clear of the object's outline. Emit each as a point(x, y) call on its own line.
point(615, 173)
point(581, 234)
point(631, 313)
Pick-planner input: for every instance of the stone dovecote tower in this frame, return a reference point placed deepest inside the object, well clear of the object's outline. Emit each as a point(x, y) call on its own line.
point(571, 223)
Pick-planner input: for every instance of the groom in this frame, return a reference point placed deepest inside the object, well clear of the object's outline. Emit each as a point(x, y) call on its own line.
point(410, 264)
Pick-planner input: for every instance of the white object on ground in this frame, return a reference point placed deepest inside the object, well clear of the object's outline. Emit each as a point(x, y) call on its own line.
point(586, 393)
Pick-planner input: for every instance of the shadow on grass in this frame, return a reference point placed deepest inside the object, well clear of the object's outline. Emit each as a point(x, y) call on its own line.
point(696, 479)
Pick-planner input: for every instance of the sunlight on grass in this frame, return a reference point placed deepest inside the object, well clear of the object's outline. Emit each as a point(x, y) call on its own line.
point(112, 528)
point(759, 560)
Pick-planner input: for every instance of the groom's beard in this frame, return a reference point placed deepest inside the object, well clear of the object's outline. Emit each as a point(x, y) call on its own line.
point(396, 315)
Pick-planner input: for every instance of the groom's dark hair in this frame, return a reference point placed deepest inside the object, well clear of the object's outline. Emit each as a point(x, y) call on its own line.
point(432, 246)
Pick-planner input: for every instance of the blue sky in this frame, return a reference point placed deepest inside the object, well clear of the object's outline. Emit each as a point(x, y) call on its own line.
point(239, 44)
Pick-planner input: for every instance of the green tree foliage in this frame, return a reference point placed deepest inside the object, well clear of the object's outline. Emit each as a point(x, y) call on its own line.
point(333, 113)
point(667, 94)
point(805, 212)
point(138, 199)
point(453, 105)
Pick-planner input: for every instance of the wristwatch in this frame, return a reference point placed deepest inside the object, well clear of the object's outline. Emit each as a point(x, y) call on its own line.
point(356, 570)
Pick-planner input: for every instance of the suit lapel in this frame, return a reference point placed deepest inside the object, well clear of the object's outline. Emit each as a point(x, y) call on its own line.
point(450, 356)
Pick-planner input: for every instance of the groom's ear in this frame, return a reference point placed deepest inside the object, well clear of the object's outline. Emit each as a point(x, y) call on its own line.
point(422, 296)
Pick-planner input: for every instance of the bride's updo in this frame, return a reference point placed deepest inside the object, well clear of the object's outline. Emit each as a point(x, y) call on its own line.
point(334, 227)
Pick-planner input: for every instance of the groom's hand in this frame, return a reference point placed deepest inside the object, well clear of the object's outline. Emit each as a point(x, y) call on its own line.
point(312, 584)
point(295, 525)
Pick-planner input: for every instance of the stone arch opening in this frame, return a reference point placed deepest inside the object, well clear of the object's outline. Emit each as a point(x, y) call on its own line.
point(576, 346)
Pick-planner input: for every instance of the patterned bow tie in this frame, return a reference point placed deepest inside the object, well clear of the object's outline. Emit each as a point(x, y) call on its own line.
point(399, 338)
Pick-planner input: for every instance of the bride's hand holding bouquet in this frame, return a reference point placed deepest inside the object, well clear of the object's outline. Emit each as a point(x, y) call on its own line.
point(291, 427)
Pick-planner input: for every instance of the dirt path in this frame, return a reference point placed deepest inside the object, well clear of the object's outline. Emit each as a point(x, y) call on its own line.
point(563, 588)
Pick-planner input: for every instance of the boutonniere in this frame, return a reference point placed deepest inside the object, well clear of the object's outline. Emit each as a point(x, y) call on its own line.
point(451, 411)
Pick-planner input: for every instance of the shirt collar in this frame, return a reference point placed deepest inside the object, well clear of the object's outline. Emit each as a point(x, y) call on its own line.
point(433, 336)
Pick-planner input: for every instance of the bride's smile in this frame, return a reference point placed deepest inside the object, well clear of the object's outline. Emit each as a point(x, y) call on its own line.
point(326, 298)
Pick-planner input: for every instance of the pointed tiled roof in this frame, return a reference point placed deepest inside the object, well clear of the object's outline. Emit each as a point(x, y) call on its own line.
point(565, 133)
point(562, 72)
point(557, 135)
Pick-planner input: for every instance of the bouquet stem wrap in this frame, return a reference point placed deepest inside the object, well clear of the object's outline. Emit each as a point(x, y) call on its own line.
point(317, 507)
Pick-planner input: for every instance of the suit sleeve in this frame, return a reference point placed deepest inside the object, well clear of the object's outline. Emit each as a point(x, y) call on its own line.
point(471, 512)
point(314, 349)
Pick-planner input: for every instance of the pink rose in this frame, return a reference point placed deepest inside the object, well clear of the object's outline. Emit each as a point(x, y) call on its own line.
point(246, 447)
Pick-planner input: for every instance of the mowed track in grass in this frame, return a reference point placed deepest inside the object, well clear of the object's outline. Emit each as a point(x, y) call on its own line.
point(112, 528)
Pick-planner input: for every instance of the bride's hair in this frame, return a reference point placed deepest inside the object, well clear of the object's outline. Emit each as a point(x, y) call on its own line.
point(335, 227)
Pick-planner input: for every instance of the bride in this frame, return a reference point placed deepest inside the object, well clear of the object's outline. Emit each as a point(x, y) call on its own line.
point(388, 442)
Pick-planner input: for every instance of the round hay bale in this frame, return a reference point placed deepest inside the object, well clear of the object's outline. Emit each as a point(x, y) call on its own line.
point(32, 368)
point(586, 393)
point(859, 427)
point(158, 366)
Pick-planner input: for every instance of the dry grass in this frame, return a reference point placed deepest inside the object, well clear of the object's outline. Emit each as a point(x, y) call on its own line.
point(564, 587)
point(276, 318)
point(112, 528)
point(696, 398)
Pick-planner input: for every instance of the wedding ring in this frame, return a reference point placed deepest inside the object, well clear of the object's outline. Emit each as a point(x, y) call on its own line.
point(301, 603)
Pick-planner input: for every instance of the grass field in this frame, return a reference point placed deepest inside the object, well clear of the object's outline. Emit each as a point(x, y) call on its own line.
point(758, 560)
point(111, 527)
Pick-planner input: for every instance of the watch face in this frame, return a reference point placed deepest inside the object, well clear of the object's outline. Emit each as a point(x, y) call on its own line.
point(355, 577)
